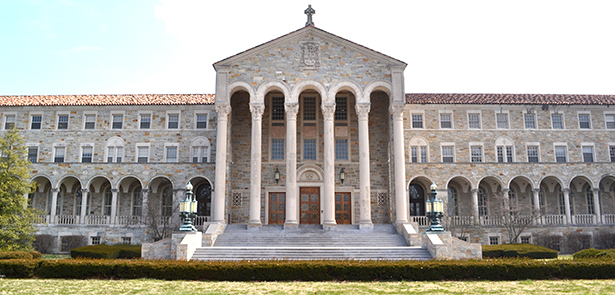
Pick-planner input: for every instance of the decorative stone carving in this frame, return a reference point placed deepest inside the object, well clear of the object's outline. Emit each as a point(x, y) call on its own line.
point(397, 111)
point(309, 176)
point(223, 111)
point(328, 111)
point(291, 108)
point(257, 111)
point(362, 110)
point(310, 55)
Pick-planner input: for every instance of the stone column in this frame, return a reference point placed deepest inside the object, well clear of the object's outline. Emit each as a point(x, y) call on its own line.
point(221, 141)
point(401, 204)
point(566, 192)
point(507, 205)
point(536, 196)
point(596, 192)
point(365, 214)
point(328, 112)
point(255, 164)
point(113, 205)
point(84, 204)
point(144, 205)
point(475, 205)
point(54, 205)
point(291, 164)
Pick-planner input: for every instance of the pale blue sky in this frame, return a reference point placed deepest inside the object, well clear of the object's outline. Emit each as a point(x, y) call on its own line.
point(168, 46)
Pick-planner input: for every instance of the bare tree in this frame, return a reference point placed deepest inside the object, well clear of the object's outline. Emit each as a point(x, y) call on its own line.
point(516, 217)
point(458, 226)
point(161, 227)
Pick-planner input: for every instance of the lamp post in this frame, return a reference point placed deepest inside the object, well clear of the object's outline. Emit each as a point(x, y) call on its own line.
point(187, 209)
point(434, 209)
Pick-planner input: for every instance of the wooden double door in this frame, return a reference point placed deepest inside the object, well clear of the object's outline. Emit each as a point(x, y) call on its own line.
point(309, 206)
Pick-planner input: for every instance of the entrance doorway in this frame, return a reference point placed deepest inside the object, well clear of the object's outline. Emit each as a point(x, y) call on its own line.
point(277, 205)
point(310, 205)
point(342, 208)
point(417, 200)
point(203, 197)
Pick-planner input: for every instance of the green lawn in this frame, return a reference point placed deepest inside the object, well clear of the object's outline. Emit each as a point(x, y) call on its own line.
point(147, 286)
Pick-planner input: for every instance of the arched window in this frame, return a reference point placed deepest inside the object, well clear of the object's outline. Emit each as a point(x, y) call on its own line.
point(562, 201)
point(203, 197)
point(59, 200)
point(571, 197)
point(107, 201)
point(167, 201)
point(482, 202)
point(512, 199)
point(200, 150)
point(417, 200)
point(505, 150)
point(115, 150)
point(137, 201)
point(589, 195)
point(419, 150)
point(453, 202)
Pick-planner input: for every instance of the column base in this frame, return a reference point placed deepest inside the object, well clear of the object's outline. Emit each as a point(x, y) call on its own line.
point(329, 226)
point(291, 226)
point(254, 225)
point(366, 226)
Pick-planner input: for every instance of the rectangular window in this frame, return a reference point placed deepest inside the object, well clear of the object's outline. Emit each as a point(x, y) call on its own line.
point(9, 122)
point(500, 152)
point(341, 149)
point(530, 121)
point(610, 121)
point(446, 121)
point(309, 149)
point(142, 154)
point(417, 120)
point(509, 154)
point(127, 240)
point(447, 154)
point(94, 240)
point(584, 121)
point(341, 108)
point(423, 154)
point(557, 121)
point(494, 240)
point(476, 153)
point(588, 153)
point(201, 121)
point(59, 154)
point(309, 109)
point(277, 108)
point(502, 120)
point(146, 121)
point(90, 121)
point(173, 122)
point(612, 153)
point(33, 154)
point(560, 154)
point(118, 120)
point(86, 154)
point(525, 240)
point(171, 154)
point(62, 121)
point(474, 121)
point(414, 154)
point(532, 154)
point(277, 149)
point(114, 154)
point(35, 122)
point(198, 153)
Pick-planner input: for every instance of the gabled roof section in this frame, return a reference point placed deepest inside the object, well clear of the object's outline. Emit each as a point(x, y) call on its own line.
point(106, 100)
point(317, 32)
point(483, 98)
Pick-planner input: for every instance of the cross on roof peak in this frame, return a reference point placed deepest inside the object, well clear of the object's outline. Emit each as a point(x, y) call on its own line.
point(309, 11)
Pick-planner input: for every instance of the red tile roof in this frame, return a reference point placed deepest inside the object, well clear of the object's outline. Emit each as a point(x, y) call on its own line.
point(482, 98)
point(106, 99)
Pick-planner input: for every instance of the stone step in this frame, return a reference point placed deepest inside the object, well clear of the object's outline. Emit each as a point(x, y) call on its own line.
point(311, 253)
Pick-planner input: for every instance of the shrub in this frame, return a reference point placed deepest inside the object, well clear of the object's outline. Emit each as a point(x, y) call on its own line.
point(43, 243)
point(19, 268)
point(107, 251)
point(518, 250)
point(608, 254)
point(36, 254)
point(15, 255)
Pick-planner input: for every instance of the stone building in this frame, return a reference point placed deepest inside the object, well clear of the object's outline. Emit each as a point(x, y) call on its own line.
point(311, 128)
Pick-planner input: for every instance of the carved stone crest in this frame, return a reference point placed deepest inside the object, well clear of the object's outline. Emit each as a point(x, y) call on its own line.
point(310, 55)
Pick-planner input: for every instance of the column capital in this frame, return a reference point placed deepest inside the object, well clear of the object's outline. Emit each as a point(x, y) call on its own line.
point(475, 190)
point(566, 190)
point(397, 111)
point(328, 111)
point(505, 190)
point(595, 189)
point(84, 190)
point(114, 190)
point(536, 190)
point(145, 190)
point(362, 110)
point(223, 111)
point(291, 109)
point(257, 110)
point(55, 190)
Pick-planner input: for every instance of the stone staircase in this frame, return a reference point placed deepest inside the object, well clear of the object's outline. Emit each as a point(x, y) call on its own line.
point(311, 242)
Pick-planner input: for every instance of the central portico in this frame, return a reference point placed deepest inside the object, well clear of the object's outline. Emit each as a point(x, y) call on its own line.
point(309, 105)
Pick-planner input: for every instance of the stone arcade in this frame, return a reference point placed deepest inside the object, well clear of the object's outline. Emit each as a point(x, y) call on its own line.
point(309, 105)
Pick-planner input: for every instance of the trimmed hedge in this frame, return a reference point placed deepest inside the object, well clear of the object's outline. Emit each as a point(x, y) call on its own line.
point(608, 254)
point(518, 251)
point(16, 255)
point(121, 251)
point(328, 270)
